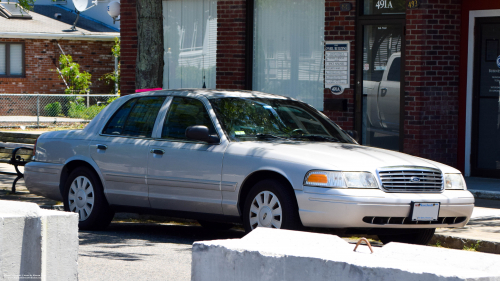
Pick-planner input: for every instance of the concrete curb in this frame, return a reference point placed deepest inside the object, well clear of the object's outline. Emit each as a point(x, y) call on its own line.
point(454, 242)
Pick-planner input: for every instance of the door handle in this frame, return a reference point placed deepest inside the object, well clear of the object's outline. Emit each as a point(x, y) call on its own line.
point(102, 147)
point(383, 92)
point(157, 151)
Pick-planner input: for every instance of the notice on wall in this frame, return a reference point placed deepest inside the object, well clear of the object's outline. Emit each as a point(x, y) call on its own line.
point(337, 65)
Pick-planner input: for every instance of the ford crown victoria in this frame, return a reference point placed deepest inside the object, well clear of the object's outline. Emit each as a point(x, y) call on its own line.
point(242, 157)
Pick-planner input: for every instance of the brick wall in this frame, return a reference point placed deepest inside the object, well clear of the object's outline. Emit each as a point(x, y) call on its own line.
point(128, 37)
point(341, 26)
point(431, 83)
point(42, 58)
point(231, 24)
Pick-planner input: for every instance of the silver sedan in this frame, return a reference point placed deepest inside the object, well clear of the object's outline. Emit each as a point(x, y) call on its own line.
point(225, 157)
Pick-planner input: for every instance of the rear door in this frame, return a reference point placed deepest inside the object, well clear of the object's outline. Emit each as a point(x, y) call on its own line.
point(121, 151)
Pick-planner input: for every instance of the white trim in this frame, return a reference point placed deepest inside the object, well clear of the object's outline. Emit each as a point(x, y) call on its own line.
point(470, 77)
point(61, 36)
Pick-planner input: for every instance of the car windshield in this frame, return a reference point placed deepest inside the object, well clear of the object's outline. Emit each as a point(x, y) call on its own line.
point(254, 119)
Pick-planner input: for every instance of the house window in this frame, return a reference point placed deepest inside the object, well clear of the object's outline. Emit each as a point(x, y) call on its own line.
point(288, 49)
point(190, 43)
point(11, 59)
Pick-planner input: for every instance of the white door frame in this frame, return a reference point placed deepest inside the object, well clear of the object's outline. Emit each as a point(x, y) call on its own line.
point(470, 79)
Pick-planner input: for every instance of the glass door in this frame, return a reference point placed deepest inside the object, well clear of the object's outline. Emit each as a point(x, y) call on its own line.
point(380, 73)
point(486, 100)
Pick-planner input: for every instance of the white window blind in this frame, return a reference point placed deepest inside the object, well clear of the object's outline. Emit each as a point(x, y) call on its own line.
point(288, 49)
point(190, 42)
point(16, 59)
point(2, 60)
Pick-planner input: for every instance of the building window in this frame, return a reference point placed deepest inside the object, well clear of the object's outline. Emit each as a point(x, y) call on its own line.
point(11, 60)
point(288, 49)
point(190, 42)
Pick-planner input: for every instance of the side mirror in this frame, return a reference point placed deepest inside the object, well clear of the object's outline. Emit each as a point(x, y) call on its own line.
point(353, 134)
point(200, 133)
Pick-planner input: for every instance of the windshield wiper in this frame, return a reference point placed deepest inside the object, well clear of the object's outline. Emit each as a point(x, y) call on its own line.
point(318, 138)
point(269, 136)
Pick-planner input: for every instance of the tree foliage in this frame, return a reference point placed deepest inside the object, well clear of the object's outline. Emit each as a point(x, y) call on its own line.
point(78, 81)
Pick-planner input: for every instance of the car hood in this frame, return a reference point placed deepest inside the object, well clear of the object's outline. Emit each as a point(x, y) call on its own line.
point(333, 156)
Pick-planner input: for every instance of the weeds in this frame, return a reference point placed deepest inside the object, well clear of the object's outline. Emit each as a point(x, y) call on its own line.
point(473, 247)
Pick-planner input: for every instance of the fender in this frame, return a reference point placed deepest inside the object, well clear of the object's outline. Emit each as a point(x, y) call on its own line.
point(92, 163)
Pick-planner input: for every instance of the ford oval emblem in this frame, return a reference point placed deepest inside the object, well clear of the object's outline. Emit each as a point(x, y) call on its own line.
point(415, 179)
point(337, 90)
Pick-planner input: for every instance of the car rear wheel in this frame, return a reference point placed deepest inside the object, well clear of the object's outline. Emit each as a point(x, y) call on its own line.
point(83, 194)
point(420, 237)
point(272, 204)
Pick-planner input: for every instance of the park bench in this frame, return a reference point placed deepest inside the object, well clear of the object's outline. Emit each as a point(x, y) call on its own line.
point(19, 155)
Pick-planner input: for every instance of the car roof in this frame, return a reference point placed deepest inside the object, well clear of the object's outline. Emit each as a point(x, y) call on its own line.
point(212, 93)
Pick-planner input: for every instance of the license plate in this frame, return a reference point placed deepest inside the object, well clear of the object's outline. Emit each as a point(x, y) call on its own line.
point(424, 211)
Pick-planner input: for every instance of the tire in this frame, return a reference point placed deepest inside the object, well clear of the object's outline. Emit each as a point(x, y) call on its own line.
point(215, 225)
point(83, 194)
point(421, 237)
point(271, 203)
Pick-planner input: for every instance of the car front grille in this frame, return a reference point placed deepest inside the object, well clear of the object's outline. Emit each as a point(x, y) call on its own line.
point(407, 220)
point(414, 179)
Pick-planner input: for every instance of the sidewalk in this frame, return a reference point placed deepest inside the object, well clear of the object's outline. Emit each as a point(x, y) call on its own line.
point(481, 233)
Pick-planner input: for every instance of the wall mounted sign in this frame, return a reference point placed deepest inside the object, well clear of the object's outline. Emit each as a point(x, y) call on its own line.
point(345, 7)
point(413, 4)
point(385, 7)
point(498, 61)
point(336, 90)
point(337, 65)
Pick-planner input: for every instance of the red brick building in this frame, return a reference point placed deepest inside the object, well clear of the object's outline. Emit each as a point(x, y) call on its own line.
point(30, 46)
point(418, 76)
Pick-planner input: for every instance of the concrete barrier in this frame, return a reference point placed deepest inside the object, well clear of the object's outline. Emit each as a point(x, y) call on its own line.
point(37, 244)
point(271, 254)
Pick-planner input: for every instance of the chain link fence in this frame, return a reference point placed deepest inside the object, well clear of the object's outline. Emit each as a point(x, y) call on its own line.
point(44, 110)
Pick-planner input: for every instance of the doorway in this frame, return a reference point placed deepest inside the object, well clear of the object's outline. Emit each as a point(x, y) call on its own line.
point(485, 152)
point(380, 78)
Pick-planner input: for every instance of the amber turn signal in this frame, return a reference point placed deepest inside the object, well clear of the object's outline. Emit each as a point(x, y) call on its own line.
point(318, 178)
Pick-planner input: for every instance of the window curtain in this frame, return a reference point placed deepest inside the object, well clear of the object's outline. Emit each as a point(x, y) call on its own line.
point(190, 41)
point(2, 60)
point(16, 59)
point(288, 49)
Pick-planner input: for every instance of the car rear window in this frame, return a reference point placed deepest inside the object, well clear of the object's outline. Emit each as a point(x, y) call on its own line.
point(135, 118)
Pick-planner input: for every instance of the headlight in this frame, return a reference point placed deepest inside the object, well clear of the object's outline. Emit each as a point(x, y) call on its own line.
point(340, 179)
point(454, 181)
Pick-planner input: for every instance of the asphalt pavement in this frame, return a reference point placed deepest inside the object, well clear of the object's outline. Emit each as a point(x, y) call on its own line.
point(137, 247)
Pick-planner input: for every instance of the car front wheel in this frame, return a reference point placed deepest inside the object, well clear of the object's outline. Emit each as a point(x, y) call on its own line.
point(272, 204)
point(83, 194)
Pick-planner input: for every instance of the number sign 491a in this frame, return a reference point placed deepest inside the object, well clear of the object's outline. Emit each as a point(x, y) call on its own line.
point(384, 4)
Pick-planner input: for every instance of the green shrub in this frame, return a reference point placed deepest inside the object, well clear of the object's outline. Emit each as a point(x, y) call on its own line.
point(79, 110)
point(53, 109)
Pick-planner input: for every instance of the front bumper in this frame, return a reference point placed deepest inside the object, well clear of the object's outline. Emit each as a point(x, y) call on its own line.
point(374, 208)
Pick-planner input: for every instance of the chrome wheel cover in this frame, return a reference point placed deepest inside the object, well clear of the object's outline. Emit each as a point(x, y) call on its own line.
point(265, 211)
point(81, 197)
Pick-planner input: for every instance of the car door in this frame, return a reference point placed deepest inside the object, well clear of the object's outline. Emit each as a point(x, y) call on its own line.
point(185, 175)
point(389, 94)
point(121, 151)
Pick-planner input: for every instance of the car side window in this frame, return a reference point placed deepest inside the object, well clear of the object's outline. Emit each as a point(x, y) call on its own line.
point(185, 112)
point(135, 118)
point(395, 71)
